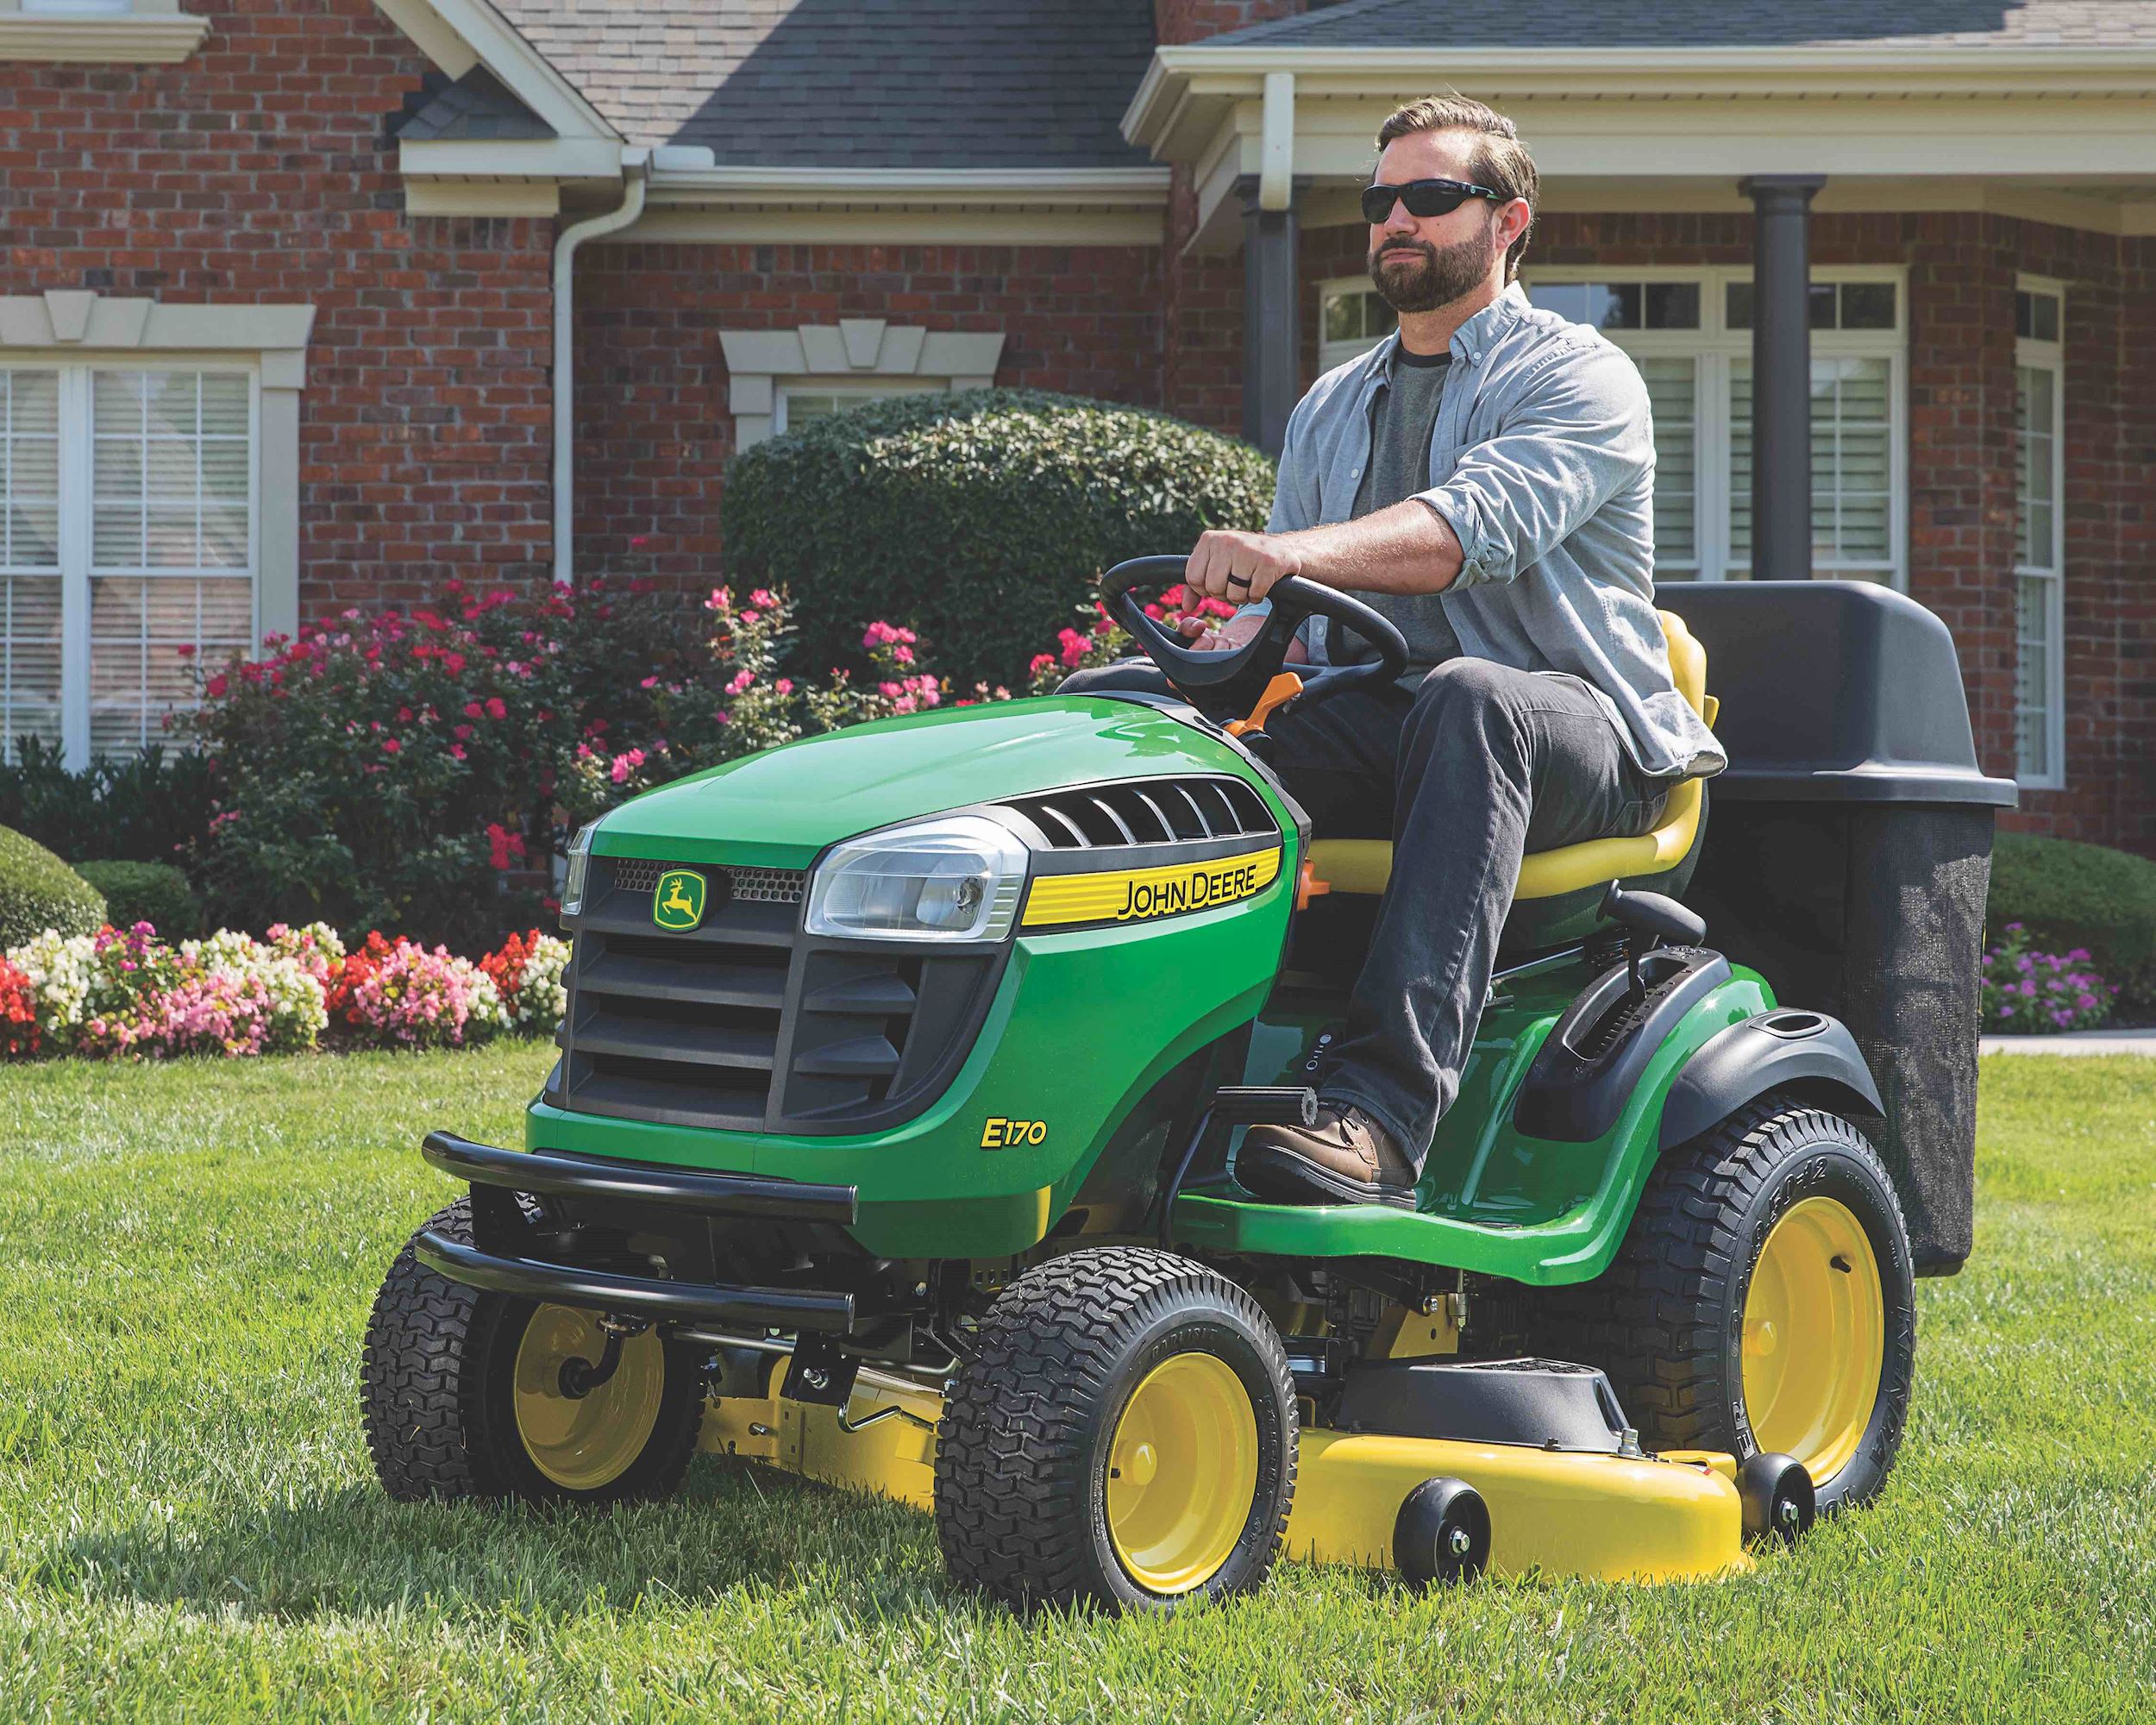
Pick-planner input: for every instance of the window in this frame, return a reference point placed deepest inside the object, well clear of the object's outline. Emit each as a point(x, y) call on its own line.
point(1352, 318)
point(798, 402)
point(131, 531)
point(1691, 333)
point(2039, 560)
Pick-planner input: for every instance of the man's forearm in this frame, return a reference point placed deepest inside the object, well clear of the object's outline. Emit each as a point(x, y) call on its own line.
point(1407, 549)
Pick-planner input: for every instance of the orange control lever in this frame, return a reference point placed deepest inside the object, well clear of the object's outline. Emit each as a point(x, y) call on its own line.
point(1283, 688)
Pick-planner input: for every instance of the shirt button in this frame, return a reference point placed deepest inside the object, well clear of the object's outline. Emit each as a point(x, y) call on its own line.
point(1355, 473)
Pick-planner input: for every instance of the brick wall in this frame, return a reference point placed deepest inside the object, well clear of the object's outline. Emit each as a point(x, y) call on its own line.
point(1962, 460)
point(654, 428)
point(257, 170)
point(1190, 20)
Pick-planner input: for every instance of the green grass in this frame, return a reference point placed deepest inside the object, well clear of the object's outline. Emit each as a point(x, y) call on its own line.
point(189, 1527)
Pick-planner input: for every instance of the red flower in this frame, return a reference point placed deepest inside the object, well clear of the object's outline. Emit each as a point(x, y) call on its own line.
point(391, 745)
point(495, 708)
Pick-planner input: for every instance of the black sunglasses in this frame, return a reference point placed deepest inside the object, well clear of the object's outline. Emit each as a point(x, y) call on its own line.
point(1425, 197)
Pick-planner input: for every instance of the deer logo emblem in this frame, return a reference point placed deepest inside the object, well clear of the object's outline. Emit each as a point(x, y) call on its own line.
point(678, 903)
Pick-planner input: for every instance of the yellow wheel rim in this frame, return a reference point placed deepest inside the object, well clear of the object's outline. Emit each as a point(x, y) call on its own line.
point(1815, 1337)
point(1182, 1473)
point(584, 1442)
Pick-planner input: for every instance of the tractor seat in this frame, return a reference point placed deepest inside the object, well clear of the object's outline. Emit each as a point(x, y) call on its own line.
point(1363, 865)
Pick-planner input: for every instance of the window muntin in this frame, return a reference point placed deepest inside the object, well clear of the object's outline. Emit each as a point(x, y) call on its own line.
point(128, 520)
point(2039, 538)
point(1702, 458)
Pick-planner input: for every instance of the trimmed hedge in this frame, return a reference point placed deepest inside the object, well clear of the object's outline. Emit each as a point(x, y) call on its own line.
point(2068, 895)
point(144, 806)
point(983, 519)
point(38, 891)
point(154, 892)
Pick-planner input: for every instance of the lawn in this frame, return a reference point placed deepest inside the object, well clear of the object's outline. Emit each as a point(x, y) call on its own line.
point(189, 1527)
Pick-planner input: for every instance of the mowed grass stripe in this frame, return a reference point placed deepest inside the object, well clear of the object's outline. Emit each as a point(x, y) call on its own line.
point(189, 1527)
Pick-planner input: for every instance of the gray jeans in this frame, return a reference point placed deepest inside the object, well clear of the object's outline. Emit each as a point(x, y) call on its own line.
point(1477, 767)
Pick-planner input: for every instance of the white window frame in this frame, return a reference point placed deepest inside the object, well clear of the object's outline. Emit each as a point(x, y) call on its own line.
point(137, 32)
point(1713, 346)
point(77, 375)
point(846, 390)
point(2046, 356)
point(77, 332)
point(1332, 354)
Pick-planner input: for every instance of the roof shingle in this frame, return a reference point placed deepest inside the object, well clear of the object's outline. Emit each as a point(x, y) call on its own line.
point(961, 84)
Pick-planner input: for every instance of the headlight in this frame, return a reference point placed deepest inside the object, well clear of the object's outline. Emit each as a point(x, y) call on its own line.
point(580, 854)
point(957, 878)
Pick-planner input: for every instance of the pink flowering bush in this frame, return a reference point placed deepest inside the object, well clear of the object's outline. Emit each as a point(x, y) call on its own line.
point(385, 769)
point(1103, 640)
point(2041, 992)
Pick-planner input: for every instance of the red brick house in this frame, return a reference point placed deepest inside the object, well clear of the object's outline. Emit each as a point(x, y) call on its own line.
point(294, 294)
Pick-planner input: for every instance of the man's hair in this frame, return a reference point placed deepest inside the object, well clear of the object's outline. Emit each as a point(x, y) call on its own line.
point(1498, 161)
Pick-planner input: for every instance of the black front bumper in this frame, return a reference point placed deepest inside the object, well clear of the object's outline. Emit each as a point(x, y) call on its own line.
point(737, 1196)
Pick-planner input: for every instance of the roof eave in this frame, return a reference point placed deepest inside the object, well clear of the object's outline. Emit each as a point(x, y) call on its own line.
point(1181, 77)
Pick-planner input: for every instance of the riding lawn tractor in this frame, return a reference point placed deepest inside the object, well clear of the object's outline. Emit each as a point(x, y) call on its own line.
point(892, 1139)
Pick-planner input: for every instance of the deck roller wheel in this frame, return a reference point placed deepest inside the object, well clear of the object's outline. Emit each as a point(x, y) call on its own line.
point(1441, 1533)
point(1778, 1498)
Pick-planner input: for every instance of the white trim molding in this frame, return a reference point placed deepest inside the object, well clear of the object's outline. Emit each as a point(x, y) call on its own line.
point(149, 33)
point(77, 324)
point(855, 349)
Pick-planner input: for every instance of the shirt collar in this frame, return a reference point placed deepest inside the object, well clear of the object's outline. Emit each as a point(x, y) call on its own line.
point(1469, 342)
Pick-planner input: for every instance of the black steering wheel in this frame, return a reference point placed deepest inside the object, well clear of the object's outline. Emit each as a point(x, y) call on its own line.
point(1226, 685)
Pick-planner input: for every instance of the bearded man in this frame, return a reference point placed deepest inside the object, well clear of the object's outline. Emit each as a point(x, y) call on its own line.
point(1485, 478)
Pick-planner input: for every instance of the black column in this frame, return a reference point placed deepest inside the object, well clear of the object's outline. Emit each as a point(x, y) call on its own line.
point(1271, 343)
point(1781, 374)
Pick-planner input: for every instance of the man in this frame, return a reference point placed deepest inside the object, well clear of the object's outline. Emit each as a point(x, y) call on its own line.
point(1485, 478)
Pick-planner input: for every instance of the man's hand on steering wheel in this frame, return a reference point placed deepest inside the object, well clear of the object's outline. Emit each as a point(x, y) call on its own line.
point(1240, 567)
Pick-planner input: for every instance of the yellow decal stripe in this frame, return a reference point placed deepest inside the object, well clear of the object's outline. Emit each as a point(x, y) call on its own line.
point(1135, 894)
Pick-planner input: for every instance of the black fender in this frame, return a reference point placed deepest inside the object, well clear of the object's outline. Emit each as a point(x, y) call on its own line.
point(1788, 1047)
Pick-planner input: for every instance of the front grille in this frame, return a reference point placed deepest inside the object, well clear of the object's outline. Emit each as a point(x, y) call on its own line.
point(750, 886)
point(1165, 811)
point(739, 1025)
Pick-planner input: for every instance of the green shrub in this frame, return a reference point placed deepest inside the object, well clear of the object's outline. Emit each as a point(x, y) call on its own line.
point(154, 892)
point(984, 520)
point(38, 891)
point(144, 806)
point(2067, 894)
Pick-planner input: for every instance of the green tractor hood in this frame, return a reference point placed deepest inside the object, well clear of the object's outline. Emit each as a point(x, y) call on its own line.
point(780, 808)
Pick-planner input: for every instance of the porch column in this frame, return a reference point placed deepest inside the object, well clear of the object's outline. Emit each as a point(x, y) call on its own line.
point(1271, 347)
point(1781, 374)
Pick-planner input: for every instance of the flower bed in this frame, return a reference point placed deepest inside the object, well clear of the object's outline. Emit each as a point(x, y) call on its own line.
point(127, 992)
point(2040, 992)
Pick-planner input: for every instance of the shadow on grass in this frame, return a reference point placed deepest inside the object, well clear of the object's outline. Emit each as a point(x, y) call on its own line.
point(735, 1532)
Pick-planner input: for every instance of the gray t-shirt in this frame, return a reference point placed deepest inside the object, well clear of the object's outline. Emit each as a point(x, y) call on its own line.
point(1403, 415)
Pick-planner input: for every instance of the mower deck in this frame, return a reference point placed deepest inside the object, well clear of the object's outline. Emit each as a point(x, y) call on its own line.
point(1600, 1517)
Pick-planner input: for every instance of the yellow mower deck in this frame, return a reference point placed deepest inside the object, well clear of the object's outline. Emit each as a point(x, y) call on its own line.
point(1606, 1518)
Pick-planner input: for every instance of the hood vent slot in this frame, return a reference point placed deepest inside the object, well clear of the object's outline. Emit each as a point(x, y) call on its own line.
point(1149, 812)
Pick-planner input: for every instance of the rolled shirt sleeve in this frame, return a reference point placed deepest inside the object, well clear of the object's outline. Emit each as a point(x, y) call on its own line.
point(1581, 432)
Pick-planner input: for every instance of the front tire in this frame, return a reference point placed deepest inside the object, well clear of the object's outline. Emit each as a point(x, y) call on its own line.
point(1123, 1431)
point(465, 1395)
point(1762, 1301)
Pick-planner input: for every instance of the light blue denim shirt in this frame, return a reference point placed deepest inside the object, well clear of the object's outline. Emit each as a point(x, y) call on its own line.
point(1542, 460)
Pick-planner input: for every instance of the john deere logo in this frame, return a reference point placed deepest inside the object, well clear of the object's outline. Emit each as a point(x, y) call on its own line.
point(678, 901)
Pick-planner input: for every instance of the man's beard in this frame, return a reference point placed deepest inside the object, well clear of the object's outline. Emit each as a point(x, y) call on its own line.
point(1439, 278)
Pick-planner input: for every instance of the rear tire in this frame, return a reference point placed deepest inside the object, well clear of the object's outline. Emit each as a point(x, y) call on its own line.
point(1764, 1299)
point(1123, 1431)
point(462, 1395)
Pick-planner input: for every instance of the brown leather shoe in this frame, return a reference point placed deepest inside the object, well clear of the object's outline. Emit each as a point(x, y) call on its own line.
point(1346, 1158)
